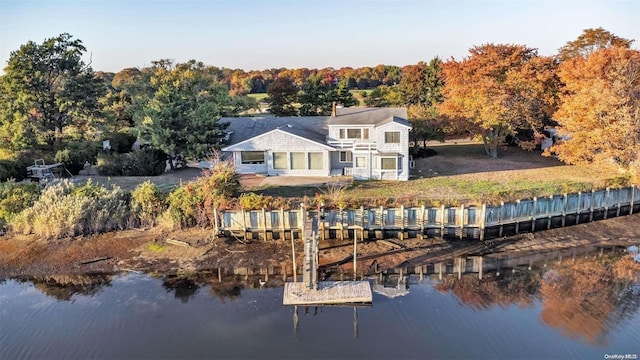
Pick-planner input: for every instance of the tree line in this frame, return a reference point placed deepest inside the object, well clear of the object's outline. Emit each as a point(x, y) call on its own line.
point(53, 102)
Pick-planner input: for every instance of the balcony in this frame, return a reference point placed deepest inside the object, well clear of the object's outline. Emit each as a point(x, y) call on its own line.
point(352, 145)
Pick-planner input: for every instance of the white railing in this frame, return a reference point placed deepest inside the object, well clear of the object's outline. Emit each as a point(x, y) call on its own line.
point(353, 145)
point(348, 171)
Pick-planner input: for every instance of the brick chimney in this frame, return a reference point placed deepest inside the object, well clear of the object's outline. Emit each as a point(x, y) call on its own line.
point(333, 109)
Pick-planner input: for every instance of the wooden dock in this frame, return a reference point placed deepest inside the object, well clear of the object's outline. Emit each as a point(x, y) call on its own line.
point(328, 293)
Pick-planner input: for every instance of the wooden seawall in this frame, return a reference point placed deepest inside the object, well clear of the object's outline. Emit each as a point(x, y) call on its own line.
point(461, 222)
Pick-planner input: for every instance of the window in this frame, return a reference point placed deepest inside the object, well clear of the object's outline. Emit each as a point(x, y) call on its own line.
point(365, 133)
point(388, 163)
point(280, 160)
point(342, 134)
point(297, 161)
point(361, 162)
point(252, 157)
point(392, 137)
point(315, 161)
point(346, 156)
point(354, 133)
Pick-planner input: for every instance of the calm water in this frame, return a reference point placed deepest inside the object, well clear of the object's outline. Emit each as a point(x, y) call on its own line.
point(581, 309)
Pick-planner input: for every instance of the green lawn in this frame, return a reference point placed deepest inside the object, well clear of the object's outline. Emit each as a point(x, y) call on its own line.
point(358, 94)
point(259, 97)
point(461, 173)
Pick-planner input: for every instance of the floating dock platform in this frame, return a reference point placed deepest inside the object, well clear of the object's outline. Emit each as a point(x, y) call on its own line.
point(328, 293)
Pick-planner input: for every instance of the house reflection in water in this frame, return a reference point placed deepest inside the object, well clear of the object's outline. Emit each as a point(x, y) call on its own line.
point(564, 283)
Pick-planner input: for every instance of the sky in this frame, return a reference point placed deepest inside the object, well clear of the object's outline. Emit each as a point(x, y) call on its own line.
point(262, 34)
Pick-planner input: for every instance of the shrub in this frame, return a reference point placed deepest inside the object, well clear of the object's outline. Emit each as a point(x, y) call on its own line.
point(422, 152)
point(15, 197)
point(65, 209)
point(147, 203)
point(185, 203)
point(110, 164)
point(121, 142)
point(619, 181)
point(253, 201)
point(15, 165)
point(9, 170)
point(145, 162)
point(76, 154)
point(194, 203)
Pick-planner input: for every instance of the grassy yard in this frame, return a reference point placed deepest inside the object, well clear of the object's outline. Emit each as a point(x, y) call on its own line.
point(460, 173)
point(259, 97)
point(359, 95)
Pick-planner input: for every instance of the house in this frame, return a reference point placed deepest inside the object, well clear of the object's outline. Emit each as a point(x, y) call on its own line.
point(366, 143)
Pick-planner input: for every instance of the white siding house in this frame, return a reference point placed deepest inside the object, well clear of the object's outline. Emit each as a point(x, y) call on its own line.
point(279, 152)
point(366, 143)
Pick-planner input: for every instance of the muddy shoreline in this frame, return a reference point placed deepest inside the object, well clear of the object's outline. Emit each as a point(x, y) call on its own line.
point(193, 250)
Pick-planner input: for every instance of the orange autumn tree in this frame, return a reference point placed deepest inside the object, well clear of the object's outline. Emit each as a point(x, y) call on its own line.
point(600, 111)
point(499, 90)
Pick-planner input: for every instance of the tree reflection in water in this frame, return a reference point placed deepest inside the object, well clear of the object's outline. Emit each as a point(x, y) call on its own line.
point(184, 288)
point(583, 298)
point(64, 287)
point(518, 288)
point(587, 298)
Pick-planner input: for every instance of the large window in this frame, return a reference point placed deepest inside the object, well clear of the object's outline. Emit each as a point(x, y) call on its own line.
point(280, 160)
point(252, 157)
point(346, 156)
point(297, 161)
point(354, 133)
point(388, 163)
point(362, 133)
point(361, 162)
point(392, 137)
point(315, 161)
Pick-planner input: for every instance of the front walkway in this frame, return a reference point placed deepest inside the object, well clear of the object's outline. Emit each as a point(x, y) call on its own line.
point(253, 180)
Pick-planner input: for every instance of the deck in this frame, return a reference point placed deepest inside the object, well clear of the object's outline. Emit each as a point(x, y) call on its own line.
point(328, 293)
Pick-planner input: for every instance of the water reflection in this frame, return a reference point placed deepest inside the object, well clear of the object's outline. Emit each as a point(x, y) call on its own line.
point(496, 302)
point(586, 298)
point(584, 292)
point(184, 288)
point(65, 287)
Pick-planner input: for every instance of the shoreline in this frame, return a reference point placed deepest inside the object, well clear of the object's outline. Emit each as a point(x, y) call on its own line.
point(196, 249)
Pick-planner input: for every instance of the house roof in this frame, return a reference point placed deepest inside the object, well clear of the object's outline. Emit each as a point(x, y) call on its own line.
point(314, 128)
point(367, 116)
point(244, 128)
point(307, 136)
point(395, 119)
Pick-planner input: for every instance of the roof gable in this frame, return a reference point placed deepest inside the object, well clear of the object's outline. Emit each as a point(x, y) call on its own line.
point(286, 130)
point(395, 120)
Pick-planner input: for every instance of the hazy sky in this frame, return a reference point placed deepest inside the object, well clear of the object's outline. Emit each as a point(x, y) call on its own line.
point(305, 33)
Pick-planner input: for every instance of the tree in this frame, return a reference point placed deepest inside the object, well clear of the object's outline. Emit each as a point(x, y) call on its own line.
point(427, 124)
point(46, 87)
point(182, 116)
point(600, 110)
point(283, 93)
point(413, 83)
point(590, 41)
point(384, 96)
point(498, 90)
point(317, 98)
point(421, 86)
